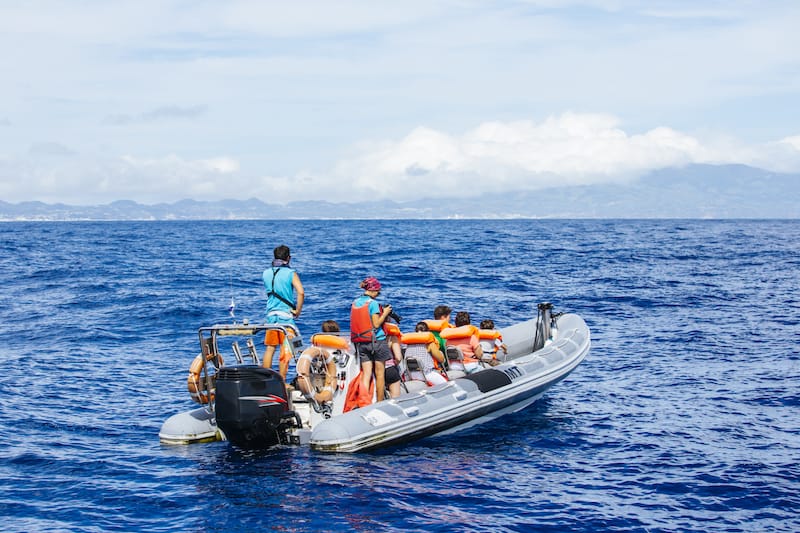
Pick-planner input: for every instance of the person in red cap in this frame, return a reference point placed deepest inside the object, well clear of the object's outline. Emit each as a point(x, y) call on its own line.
point(366, 332)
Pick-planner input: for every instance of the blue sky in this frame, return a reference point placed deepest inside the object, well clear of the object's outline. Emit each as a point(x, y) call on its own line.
point(162, 100)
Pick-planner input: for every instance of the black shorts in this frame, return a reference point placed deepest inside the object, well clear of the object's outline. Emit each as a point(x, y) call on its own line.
point(392, 375)
point(371, 352)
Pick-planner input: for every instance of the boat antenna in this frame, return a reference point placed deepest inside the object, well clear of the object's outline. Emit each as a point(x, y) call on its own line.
point(232, 305)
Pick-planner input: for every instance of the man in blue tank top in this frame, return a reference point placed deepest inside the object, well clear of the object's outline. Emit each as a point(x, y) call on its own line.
point(285, 297)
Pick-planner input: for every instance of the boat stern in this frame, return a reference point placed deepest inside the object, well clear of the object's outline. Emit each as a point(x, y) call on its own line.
point(190, 427)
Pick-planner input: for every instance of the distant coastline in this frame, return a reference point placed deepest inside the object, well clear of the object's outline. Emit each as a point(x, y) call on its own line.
point(692, 192)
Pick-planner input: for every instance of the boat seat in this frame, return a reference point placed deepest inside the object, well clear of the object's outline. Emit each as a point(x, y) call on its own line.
point(412, 365)
point(415, 385)
point(454, 353)
point(413, 374)
point(455, 363)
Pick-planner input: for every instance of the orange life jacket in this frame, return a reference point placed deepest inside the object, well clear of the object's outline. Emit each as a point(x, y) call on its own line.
point(391, 330)
point(460, 333)
point(437, 325)
point(462, 337)
point(361, 329)
point(357, 395)
point(489, 334)
point(334, 342)
point(420, 337)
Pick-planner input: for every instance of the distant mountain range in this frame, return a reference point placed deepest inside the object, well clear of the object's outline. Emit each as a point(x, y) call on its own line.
point(696, 191)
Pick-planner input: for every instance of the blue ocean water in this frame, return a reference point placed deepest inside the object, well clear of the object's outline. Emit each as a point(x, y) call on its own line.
point(684, 417)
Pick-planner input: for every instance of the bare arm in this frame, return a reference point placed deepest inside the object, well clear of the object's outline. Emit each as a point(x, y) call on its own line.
point(436, 353)
point(301, 294)
point(379, 319)
point(476, 346)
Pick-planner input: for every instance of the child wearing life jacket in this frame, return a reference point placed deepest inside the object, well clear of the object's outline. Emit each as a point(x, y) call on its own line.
point(491, 342)
point(441, 320)
point(465, 337)
point(429, 357)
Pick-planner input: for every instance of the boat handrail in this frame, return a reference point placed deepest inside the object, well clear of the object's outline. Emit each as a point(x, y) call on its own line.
point(208, 338)
point(247, 329)
point(409, 396)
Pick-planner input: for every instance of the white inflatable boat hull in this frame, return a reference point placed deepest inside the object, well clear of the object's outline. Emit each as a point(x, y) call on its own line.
point(458, 404)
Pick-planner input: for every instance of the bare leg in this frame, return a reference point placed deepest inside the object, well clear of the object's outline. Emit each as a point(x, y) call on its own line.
point(283, 366)
point(380, 380)
point(366, 374)
point(397, 353)
point(394, 344)
point(268, 353)
point(364, 396)
point(304, 384)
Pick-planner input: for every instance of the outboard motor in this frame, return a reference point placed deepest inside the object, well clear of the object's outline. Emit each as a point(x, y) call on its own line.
point(543, 324)
point(252, 408)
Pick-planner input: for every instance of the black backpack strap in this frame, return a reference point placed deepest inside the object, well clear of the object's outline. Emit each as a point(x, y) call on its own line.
point(275, 271)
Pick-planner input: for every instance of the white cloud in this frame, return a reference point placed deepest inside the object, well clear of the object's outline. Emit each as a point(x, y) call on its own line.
point(563, 150)
point(283, 91)
point(793, 142)
point(97, 179)
point(222, 165)
point(570, 149)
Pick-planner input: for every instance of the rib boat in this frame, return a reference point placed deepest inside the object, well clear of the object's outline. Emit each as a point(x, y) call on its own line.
point(252, 406)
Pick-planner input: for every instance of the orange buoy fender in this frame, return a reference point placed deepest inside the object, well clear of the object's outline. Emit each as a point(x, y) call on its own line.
point(195, 383)
point(303, 368)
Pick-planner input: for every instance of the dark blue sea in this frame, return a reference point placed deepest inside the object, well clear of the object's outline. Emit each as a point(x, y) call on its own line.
point(684, 417)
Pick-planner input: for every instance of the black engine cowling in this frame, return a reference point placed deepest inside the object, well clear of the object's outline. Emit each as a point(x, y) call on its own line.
point(252, 408)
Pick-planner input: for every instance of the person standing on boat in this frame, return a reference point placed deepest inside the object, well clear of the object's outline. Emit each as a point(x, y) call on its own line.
point(285, 297)
point(366, 332)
